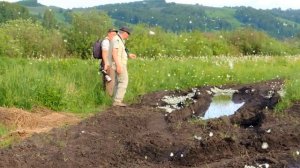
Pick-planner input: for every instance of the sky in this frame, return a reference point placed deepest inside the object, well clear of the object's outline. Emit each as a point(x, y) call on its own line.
point(258, 4)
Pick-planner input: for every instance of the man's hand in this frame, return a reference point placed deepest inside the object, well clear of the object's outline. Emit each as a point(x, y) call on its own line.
point(119, 69)
point(106, 66)
point(132, 56)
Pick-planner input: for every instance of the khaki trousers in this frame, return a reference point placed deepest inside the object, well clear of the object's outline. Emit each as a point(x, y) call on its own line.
point(121, 83)
point(109, 86)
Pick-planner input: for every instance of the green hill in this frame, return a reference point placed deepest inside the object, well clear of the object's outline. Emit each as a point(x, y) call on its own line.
point(181, 17)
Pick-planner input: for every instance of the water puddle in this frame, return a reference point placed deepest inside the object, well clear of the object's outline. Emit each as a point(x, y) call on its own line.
point(222, 105)
point(223, 102)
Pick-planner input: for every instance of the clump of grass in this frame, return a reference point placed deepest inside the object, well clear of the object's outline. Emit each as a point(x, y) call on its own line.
point(3, 130)
point(5, 140)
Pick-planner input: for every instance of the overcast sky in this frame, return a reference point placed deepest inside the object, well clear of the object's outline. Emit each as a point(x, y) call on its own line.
point(259, 4)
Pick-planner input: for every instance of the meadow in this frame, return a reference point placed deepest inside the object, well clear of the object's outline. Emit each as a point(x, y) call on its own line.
point(74, 85)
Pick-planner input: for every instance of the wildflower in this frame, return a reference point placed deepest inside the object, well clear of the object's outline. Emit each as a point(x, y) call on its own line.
point(151, 32)
point(230, 65)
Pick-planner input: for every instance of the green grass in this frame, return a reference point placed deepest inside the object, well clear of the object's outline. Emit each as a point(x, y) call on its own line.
point(58, 84)
point(3, 130)
point(73, 85)
point(182, 73)
point(4, 139)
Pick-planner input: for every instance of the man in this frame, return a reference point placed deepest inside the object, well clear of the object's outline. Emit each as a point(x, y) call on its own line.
point(106, 63)
point(120, 57)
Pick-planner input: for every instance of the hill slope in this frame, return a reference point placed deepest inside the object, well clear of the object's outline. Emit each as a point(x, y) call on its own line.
point(180, 17)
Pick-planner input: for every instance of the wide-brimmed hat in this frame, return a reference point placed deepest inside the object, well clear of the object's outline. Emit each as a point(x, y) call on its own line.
point(125, 29)
point(112, 30)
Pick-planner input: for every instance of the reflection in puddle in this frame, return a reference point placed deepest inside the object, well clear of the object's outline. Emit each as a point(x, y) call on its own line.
point(221, 105)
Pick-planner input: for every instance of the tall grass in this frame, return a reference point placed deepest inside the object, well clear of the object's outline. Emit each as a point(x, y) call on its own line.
point(74, 85)
point(182, 73)
point(59, 84)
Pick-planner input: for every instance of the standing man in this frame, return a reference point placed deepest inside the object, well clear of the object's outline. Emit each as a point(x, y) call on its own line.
point(106, 62)
point(120, 57)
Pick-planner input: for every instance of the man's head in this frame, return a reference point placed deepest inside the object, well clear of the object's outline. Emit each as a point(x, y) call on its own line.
point(111, 33)
point(124, 32)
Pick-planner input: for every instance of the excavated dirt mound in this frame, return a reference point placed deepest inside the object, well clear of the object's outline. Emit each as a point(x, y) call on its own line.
point(143, 135)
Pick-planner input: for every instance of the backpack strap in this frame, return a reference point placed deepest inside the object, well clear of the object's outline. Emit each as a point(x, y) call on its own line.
point(126, 49)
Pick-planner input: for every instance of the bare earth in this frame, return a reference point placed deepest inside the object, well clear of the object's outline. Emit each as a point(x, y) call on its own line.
point(142, 135)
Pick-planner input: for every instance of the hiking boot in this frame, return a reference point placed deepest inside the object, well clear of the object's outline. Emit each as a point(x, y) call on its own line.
point(120, 104)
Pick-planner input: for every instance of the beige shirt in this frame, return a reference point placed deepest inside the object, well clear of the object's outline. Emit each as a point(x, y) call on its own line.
point(118, 43)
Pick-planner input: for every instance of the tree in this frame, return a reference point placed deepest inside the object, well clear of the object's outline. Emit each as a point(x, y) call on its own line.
point(10, 11)
point(86, 28)
point(49, 20)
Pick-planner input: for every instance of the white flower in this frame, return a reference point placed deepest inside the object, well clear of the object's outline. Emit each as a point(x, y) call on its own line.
point(211, 134)
point(151, 32)
point(297, 153)
point(230, 63)
point(268, 130)
point(171, 154)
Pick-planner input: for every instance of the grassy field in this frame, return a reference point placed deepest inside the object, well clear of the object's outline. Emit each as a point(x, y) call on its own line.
point(74, 85)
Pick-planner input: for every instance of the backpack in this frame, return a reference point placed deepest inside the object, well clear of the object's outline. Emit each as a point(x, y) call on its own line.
point(97, 49)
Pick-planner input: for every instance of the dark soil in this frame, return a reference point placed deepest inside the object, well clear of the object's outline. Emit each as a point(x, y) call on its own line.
point(142, 135)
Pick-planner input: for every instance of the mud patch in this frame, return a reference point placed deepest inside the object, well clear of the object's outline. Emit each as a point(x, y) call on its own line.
point(143, 135)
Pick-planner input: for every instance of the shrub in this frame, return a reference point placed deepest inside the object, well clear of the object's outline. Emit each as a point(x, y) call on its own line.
point(29, 39)
point(252, 42)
